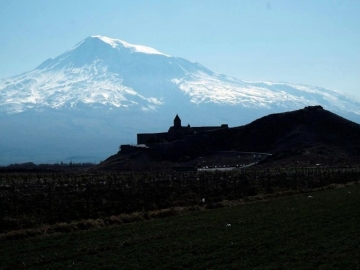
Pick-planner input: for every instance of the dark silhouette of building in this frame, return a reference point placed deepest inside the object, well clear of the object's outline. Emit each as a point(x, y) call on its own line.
point(175, 132)
point(177, 122)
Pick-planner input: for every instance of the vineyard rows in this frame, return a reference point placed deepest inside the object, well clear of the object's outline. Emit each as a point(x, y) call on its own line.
point(30, 199)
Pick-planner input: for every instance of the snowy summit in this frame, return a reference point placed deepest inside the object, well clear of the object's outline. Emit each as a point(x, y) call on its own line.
point(110, 72)
point(115, 43)
point(110, 89)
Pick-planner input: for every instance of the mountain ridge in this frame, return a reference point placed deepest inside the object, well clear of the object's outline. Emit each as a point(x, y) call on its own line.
point(125, 90)
point(121, 76)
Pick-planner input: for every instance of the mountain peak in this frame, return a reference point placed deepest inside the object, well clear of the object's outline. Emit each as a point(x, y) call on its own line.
point(112, 72)
point(107, 88)
point(117, 44)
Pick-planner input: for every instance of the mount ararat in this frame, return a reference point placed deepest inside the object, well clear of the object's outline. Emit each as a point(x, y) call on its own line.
point(83, 104)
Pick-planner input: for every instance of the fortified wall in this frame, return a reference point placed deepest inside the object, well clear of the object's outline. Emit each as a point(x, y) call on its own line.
point(170, 141)
point(175, 132)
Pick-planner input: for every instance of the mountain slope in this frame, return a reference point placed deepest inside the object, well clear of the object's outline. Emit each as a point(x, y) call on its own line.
point(106, 90)
point(96, 71)
point(100, 70)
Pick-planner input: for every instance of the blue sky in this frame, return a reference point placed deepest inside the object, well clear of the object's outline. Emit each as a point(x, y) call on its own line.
point(307, 41)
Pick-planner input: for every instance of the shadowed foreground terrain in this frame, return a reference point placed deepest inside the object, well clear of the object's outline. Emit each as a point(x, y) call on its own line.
point(307, 231)
point(48, 218)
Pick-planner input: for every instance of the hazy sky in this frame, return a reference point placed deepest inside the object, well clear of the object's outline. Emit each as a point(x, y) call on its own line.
point(314, 42)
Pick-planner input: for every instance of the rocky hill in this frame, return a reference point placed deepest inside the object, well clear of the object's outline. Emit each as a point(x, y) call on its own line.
point(306, 137)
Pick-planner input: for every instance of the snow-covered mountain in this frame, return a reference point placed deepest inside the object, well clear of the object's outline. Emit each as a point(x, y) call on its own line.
point(100, 93)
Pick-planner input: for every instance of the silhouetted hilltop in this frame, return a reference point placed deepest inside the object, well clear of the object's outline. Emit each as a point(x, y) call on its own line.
point(305, 137)
point(307, 127)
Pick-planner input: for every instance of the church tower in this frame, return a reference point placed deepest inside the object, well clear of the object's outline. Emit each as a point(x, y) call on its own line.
point(177, 122)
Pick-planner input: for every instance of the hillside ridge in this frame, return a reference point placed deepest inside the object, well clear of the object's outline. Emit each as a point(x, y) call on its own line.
point(312, 135)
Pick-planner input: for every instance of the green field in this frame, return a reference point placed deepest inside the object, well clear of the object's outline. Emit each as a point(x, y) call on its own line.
point(317, 230)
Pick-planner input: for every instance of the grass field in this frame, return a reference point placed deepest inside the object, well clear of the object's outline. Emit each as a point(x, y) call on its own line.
point(318, 230)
